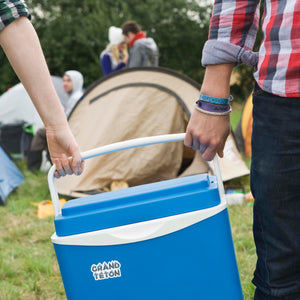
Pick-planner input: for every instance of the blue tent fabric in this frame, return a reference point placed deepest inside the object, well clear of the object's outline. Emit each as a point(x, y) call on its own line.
point(10, 176)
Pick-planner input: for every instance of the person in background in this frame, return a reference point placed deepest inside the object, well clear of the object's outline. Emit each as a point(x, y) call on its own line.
point(29, 64)
point(275, 161)
point(115, 56)
point(143, 51)
point(73, 86)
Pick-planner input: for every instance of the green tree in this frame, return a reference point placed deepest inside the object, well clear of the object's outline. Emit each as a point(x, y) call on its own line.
point(74, 32)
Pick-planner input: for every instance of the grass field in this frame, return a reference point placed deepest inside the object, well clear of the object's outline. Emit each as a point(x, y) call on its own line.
point(28, 266)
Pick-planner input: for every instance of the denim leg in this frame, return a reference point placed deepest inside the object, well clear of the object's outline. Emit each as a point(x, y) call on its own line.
point(261, 296)
point(275, 184)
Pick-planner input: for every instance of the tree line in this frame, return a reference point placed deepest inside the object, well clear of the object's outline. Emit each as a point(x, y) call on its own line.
point(74, 32)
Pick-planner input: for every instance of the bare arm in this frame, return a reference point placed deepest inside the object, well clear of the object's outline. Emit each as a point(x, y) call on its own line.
point(211, 131)
point(22, 47)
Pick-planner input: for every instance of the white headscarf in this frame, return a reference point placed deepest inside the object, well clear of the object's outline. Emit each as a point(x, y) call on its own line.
point(77, 92)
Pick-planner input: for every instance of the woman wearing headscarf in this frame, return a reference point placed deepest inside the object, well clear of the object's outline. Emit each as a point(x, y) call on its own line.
point(73, 86)
point(115, 56)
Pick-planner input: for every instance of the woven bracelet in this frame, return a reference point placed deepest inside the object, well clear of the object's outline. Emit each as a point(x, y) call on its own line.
point(211, 109)
point(214, 100)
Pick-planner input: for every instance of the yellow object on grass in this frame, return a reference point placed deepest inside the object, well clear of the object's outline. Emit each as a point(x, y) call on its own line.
point(45, 208)
point(118, 185)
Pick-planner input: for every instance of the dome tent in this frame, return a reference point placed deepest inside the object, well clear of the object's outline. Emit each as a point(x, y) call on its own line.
point(10, 176)
point(18, 116)
point(134, 103)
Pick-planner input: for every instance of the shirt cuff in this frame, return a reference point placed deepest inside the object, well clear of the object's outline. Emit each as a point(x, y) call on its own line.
point(219, 52)
point(11, 11)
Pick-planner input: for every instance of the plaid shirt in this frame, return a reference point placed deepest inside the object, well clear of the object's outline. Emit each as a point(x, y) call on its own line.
point(11, 10)
point(233, 29)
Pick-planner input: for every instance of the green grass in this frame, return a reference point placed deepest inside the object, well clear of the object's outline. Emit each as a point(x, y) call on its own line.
point(28, 266)
point(241, 227)
point(241, 222)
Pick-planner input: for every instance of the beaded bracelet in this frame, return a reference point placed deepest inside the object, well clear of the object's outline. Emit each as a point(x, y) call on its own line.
point(211, 109)
point(214, 100)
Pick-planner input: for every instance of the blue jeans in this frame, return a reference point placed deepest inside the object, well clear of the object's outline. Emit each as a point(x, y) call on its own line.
point(275, 184)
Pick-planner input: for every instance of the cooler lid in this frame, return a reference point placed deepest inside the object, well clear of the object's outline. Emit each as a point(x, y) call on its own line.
point(137, 204)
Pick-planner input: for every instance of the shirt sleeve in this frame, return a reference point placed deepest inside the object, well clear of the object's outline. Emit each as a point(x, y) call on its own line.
point(232, 33)
point(11, 10)
point(135, 57)
point(119, 66)
point(106, 65)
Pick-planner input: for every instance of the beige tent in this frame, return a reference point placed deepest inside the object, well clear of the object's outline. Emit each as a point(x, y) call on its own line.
point(134, 103)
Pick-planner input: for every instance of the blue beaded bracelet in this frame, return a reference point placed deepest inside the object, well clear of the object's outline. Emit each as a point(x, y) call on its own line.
point(223, 101)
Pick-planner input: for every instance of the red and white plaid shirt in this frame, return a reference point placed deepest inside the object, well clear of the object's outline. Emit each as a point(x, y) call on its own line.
point(233, 29)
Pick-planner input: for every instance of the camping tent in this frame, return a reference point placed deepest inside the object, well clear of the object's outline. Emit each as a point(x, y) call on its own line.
point(246, 125)
point(243, 131)
point(10, 176)
point(135, 103)
point(18, 112)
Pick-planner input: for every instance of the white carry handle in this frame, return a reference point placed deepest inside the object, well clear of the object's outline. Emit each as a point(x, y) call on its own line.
point(134, 143)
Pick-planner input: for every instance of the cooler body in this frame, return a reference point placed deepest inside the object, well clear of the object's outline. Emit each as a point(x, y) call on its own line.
point(169, 240)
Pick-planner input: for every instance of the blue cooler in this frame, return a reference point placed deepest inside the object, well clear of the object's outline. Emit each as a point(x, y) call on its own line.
point(166, 241)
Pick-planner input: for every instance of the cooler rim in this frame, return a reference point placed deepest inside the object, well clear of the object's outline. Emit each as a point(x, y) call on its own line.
point(140, 231)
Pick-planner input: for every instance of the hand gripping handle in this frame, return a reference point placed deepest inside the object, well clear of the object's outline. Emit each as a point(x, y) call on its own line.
point(134, 143)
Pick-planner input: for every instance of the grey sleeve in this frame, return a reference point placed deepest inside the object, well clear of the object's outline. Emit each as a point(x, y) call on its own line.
point(136, 58)
point(218, 52)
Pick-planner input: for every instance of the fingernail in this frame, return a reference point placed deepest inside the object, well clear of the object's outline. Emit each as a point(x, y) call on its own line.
point(79, 171)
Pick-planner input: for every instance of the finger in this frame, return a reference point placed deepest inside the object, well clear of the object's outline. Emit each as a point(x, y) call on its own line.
point(221, 150)
point(196, 143)
point(56, 174)
point(202, 148)
point(77, 163)
point(66, 165)
point(59, 167)
point(209, 153)
point(81, 168)
point(188, 140)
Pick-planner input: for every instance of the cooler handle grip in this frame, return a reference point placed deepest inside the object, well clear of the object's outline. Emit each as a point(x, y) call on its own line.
point(119, 146)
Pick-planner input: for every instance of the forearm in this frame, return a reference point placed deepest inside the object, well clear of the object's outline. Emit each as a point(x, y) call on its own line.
point(119, 66)
point(208, 133)
point(22, 48)
point(216, 81)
